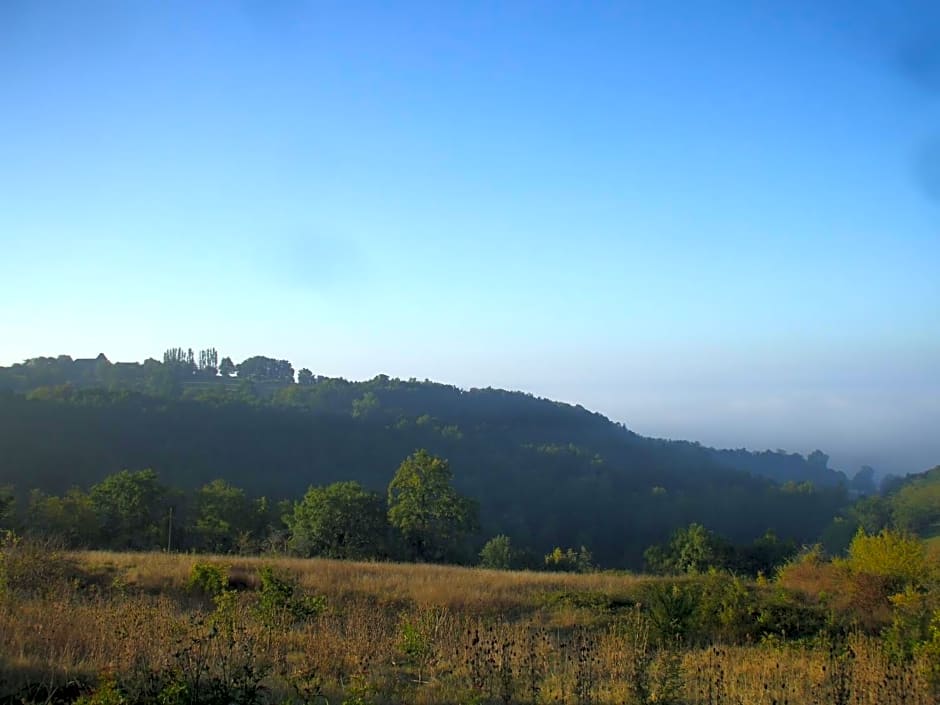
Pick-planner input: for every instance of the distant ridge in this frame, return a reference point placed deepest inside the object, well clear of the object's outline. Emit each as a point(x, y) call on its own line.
point(545, 472)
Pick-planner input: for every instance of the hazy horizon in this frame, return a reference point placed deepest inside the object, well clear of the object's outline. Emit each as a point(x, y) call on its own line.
point(718, 224)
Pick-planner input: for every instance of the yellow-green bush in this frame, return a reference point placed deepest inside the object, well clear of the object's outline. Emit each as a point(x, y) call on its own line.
point(897, 557)
point(208, 578)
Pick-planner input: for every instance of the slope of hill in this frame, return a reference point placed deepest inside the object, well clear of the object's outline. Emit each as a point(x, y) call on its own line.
point(915, 503)
point(545, 473)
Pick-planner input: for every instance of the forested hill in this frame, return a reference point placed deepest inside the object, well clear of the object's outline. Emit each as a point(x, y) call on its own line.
point(544, 473)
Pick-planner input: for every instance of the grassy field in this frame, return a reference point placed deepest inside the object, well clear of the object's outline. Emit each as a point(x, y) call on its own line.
point(155, 628)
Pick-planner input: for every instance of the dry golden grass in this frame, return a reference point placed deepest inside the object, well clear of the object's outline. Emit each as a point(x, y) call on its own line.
point(396, 633)
point(454, 587)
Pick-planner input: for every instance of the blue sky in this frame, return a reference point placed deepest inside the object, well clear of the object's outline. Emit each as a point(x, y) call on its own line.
point(717, 221)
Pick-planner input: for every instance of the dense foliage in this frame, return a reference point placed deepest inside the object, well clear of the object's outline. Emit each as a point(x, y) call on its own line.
point(910, 504)
point(543, 473)
point(342, 520)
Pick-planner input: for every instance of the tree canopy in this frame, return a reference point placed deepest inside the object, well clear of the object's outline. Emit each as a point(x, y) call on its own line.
point(341, 520)
point(130, 507)
point(425, 508)
point(544, 473)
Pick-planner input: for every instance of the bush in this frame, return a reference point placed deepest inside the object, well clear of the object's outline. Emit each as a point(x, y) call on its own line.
point(32, 566)
point(209, 579)
point(929, 653)
point(106, 693)
point(782, 614)
point(912, 620)
point(672, 609)
point(899, 558)
point(279, 602)
point(810, 574)
point(570, 561)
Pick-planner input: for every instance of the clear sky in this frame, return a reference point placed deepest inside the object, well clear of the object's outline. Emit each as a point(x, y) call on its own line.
point(709, 220)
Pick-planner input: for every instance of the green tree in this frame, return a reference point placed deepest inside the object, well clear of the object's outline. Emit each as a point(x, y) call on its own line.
point(265, 369)
point(227, 367)
point(432, 518)
point(224, 516)
point(342, 520)
point(818, 458)
point(763, 556)
point(131, 508)
point(208, 362)
point(916, 506)
point(864, 481)
point(871, 513)
point(693, 549)
point(836, 537)
point(569, 560)
point(181, 362)
point(305, 377)
point(71, 517)
point(497, 554)
point(365, 405)
point(158, 379)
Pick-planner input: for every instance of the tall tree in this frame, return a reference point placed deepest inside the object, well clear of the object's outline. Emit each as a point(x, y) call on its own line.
point(693, 549)
point(180, 361)
point(265, 369)
point(497, 553)
point(224, 515)
point(209, 362)
point(342, 520)
point(227, 367)
point(916, 506)
point(131, 507)
point(424, 507)
point(71, 517)
point(864, 481)
point(174, 356)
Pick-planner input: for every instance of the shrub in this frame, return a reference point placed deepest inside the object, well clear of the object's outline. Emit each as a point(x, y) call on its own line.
point(929, 652)
point(672, 608)
point(210, 579)
point(106, 693)
point(693, 549)
point(782, 614)
point(279, 602)
point(810, 574)
point(570, 561)
point(912, 621)
point(31, 566)
point(899, 558)
point(727, 607)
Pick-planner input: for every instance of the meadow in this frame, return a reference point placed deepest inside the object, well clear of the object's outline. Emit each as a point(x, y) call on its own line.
point(108, 628)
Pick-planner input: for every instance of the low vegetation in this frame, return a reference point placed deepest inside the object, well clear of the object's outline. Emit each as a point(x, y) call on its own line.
point(102, 628)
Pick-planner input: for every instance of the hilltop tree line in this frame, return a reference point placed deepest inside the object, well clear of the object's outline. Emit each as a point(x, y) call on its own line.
point(179, 367)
